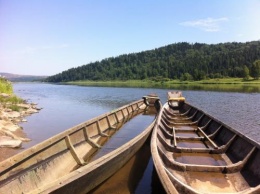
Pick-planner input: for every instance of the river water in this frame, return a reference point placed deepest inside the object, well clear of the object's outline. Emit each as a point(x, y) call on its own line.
point(65, 106)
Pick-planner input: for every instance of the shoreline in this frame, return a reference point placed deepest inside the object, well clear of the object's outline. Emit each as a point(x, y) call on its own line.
point(165, 82)
point(228, 84)
point(12, 135)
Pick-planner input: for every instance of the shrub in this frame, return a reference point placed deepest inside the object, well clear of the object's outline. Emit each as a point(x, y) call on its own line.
point(5, 86)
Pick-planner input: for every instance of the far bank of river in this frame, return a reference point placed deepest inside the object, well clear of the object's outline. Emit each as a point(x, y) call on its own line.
point(228, 84)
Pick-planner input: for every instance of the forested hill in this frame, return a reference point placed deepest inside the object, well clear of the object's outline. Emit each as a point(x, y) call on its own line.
point(196, 61)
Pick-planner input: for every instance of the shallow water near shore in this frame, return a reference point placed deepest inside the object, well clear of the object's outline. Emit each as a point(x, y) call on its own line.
point(65, 106)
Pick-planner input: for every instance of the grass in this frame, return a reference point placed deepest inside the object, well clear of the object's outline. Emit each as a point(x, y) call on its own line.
point(223, 84)
point(149, 83)
point(228, 81)
point(114, 83)
point(12, 100)
point(5, 86)
point(14, 107)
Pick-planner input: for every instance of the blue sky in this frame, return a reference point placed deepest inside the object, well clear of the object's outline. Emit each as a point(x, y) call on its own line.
point(45, 37)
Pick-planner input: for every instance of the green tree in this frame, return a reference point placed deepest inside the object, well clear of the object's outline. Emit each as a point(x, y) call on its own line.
point(186, 76)
point(143, 73)
point(199, 75)
point(255, 70)
point(245, 73)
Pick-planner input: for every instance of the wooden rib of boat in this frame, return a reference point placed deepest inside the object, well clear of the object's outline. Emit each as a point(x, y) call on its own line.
point(61, 164)
point(194, 152)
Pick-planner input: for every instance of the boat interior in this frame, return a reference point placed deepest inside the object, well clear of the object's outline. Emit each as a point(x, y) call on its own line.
point(200, 154)
point(44, 162)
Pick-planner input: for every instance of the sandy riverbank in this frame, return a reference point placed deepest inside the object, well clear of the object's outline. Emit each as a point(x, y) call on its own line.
point(11, 134)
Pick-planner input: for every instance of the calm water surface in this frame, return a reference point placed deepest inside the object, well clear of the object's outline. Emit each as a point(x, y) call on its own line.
point(65, 106)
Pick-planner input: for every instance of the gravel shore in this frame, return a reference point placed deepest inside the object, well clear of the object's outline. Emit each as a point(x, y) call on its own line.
point(11, 134)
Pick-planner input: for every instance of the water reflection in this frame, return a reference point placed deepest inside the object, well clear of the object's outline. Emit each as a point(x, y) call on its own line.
point(136, 176)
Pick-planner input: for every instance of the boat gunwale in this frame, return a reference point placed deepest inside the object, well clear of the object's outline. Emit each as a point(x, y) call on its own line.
point(166, 182)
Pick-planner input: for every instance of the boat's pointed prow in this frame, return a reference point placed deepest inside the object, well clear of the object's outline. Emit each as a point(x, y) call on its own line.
point(151, 99)
point(175, 99)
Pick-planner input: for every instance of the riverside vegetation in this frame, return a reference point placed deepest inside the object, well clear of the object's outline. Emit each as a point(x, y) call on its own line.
point(180, 61)
point(12, 111)
point(222, 84)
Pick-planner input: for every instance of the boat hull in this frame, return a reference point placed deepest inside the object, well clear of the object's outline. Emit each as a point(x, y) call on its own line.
point(194, 152)
point(90, 176)
point(62, 163)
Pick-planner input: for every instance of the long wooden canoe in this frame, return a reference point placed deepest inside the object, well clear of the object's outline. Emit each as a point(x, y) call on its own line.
point(62, 164)
point(194, 152)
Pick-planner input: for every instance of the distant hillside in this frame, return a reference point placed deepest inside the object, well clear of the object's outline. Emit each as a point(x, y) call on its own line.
point(22, 78)
point(176, 61)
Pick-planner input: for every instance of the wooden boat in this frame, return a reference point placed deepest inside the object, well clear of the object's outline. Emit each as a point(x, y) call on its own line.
point(62, 164)
point(194, 152)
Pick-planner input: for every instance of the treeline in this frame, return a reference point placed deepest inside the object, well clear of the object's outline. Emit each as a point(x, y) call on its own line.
point(176, 61)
